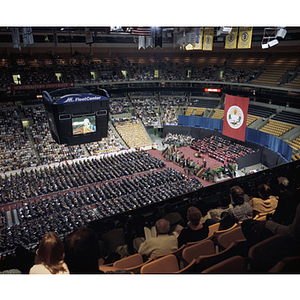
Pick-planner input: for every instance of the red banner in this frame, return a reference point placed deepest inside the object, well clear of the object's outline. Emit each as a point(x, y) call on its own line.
point(235, 117)
point(39, 86)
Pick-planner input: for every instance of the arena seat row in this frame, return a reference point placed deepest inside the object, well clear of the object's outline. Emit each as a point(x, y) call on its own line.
point(132, 133)
point(272, 255)
point(288, 117)
point(264, 112)
point(276, 128)
point(44, 68)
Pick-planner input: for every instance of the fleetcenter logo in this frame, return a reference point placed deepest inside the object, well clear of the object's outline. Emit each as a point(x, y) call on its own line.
point(69, 99)
point(235, 117)
point(81, 99)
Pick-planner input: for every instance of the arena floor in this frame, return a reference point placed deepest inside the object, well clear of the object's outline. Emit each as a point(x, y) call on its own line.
point(212, 163)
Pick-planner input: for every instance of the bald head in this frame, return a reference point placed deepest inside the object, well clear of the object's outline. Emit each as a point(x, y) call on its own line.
point(162, 226)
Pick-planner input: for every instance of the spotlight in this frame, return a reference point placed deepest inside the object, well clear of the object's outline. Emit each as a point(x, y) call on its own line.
point(270, 36)
point(281, 32)
point(273, 43)
point(224, 30)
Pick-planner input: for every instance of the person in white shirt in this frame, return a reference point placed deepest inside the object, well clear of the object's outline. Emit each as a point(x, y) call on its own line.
point(163, 243)
point(50, 255)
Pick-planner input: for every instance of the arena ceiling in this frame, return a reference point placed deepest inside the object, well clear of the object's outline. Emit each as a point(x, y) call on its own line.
point(121, 40)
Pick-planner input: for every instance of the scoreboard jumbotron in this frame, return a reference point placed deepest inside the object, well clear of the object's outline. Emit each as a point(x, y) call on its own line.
point(76, 116)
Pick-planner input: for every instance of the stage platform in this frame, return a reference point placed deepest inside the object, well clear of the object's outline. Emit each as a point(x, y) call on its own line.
point(212, 163)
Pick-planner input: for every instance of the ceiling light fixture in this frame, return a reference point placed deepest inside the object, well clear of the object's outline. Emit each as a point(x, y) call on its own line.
point(270, 36)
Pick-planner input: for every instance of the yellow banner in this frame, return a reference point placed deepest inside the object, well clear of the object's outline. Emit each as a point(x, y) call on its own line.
point(208, 38)
point(198, 40)
point(245, 37)
point(231, 39)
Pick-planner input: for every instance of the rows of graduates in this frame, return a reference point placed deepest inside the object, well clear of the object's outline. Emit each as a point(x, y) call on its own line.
point(67, 196)
point(172, 227)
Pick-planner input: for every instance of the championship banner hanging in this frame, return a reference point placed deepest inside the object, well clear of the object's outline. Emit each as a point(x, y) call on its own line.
point(158, 37)
point(27, 36)
point(142, 42)
point(149, 41)
point(208, 38)
point(245, 37)
point(178, 37)
point(190, 36)
point(16, 38)
point(194, 39)
point(199, 36)
point(88, 36)
point(235, 117)
point(231, 39)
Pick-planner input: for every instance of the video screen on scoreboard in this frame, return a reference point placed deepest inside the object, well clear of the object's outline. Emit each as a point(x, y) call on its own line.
point(84, 124)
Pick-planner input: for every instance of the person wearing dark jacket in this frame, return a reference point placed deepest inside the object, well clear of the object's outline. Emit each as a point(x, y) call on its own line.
point(195, 231)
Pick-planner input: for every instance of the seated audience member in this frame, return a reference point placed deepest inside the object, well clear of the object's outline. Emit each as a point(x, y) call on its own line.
point(257, 231)
point(288, 201)
point(82, 251)
point(215, 213)
point(195, 231)
point(172, 216)
point(11, 271)
point(50, 256)
point(163, 243)
point(154, 217)
point(24, 259)
point(266, 203)
point(18, 263)
point(240, 211)
point(135, 234)
point(291, 231)
point(121, 271)
point(114, 237)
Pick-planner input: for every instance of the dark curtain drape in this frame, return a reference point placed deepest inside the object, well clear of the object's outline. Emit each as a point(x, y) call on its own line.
point(254, 136)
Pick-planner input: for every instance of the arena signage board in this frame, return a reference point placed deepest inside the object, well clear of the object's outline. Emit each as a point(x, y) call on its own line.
point(75, 98)
point(39, 86)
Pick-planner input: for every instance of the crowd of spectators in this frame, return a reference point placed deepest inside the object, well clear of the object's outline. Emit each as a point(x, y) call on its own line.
point(132, 132)
point(15, 149)
point(205, 74)
point(152, 112)
point(5, 76)
point(71, 195)
point(84, 69)
point(109, 144)
point(33, 145)
point(48, 150)
point(145, 108)
point(36, 182)
point(170, 116)
point(172, 101)
point(170, 109)
point(221, 149)
point(234, 75)
point(179, 140)
point(118, 106)
point(65, 197)
point(67, 213)
point(22, 147)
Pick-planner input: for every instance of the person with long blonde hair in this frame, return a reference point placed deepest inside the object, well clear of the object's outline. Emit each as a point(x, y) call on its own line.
point(50, 256)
